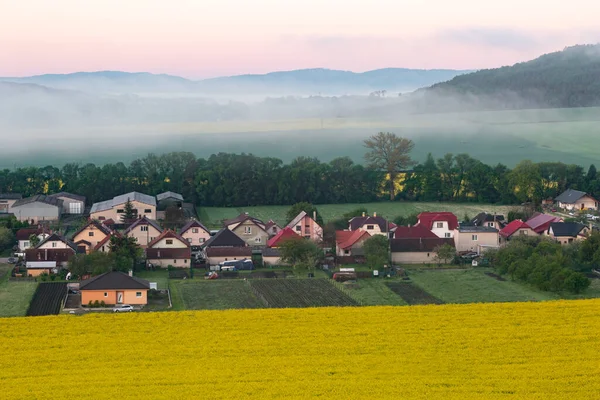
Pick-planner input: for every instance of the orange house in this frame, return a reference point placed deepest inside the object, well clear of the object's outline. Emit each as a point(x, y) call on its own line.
point(114, 288)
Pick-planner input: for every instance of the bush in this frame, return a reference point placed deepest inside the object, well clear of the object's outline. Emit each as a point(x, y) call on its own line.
point(102, 304)
point(90, 304)
point(96, 304)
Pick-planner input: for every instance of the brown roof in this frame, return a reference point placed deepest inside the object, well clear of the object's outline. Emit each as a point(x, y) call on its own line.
point(168, 234)
point(58, 255)
point(406, 245)
point(241, 218)
point(229, 252)
point(166, 254)
point(114, 280)
point(192, 224)
point(25, 233)
point(144, 221)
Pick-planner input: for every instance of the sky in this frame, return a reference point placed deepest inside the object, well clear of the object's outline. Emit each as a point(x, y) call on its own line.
point(207, 38)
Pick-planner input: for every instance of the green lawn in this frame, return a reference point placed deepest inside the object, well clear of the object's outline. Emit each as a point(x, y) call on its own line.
point(372, 292)
point(593, 291)
point(214, 215)
point(15, 296)
point(161, 277)
point(473, 286)
point(212, 295)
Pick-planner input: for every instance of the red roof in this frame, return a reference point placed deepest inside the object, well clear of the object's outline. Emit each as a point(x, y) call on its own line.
point(428, 218)
point(346, 239)
point(541, 222)
point(413, 232)
point(282, 236)
point(514, 226)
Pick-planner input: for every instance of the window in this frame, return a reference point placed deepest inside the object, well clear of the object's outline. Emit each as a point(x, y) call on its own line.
point(346, 252)
point(105, 294)
point(53, 244)
point(490, 224)
point(147, 211)
point(174, 261)
point(91, 234)
point(144, 228)
point(194, 230)
point(447, 235)
point(298, 228)
point(247, 230)
point(427, 254)
point(169, 241)
point(26, 244)
point(101, 218)
point(257, 239)
point(189, 240)
point(439, 224)
point(370, 227)
point(570, 240)
point(185, 261)
point(75, 208)
point(523, 232)
point(202, 240)
point(474, 238)
point(120, 211)
point(138, 294)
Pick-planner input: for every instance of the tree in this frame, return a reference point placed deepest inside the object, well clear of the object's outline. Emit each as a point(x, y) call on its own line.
point(7, 238)
point(95, 263)
point(301, 253)
point(526, 179)
point(406, 220)
point(34, 240)
point(307, 208)
point(129, 213)
point(174, 217)
point(444, 253)
point(126, 250)
point(389, 153)
point(376, 251)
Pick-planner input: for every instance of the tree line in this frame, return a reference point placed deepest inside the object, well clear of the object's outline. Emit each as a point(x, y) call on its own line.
point(238, 180)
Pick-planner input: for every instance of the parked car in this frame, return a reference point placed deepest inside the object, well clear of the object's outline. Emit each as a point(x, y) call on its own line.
point(12, 260)
point(123, 308)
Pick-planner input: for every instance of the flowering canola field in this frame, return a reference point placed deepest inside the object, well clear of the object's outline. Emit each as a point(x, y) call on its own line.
point(547, 350)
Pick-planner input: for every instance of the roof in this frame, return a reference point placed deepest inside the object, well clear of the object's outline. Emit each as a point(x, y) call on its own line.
point(475, 229)
point(143, 221)
point(114, 280)
point(192, 224)
point(241, 218)
point(168, 234)
point(105, 240)
point(122, 199)
point(541, 222)
point(485, 217)
point(358, 222)
point(229, 252)
point(25, 233)
point(168, 195)
point(406, 245)
point(39, 198)
point(286, 233)
point(69, 196)
point(11, 196)
point(299, 218)
point(417, 231)
point(512, 227)
point(570, 196)
point(83, 241)
point(271, 252)
point(58, 255)
point(346, 239)
point(270, 224)
point(562, 229)
point(225, 238)
point(95, 223)
point(428, 218)
point(57, 238)
point(163, 253)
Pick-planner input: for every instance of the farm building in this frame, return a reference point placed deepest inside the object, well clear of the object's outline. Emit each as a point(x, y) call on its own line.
point(114, 288)
point(37, 208)
point(443, 224)
point(166, 200)
point(574, 200)
point(143, 205)
point(169, 249)
point(416, 250)
point(72, 203)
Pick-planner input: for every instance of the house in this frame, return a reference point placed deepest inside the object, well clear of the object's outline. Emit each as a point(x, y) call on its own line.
point(271, 256)
point(104, 245)
point(374, 225)
point(413, 232)
point(166, 200)
point(540, 223)
point(55, 249)
point(285, 234)
point(24, 237)
point(272, 228)
point(477, 239)
point(144, 230)
point(250, 229)
point(568, 232)
point(90, 235)
point(72, 203)
point(225, 246)
point(169, 249)
point(114, 288)
point(443, 224)
point(7, 200)
point(573, 200)
point(349, 243)
point(516, 228)
point(307, 227)
point(225, 238)
point(143, 205)
point(417, 250)
point(37, 208)
point(234, 222)
point(491, 220)
point(195, 233)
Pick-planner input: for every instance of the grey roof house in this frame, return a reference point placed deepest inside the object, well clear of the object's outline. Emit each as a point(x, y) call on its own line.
point(7, 200)
point(38, 208)
point(72, 203)
point(576, 200)
point(143, 204)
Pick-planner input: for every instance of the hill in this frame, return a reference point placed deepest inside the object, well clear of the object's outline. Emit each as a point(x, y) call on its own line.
point(563, 79)
point(520, 350)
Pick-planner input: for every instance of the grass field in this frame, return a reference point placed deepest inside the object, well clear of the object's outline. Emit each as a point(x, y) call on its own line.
point(161, 277)
point(214, 215)
point(372, 292)
point(14, 296)
point(212, 295)
point(543, 350)
point(473, 286)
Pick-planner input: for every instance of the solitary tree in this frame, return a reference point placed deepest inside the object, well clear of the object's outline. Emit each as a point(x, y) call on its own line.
point(376, 251)
point(126, 250)
point(129, 213)
point(444, 253)
point(389, 153)
point(301, 253)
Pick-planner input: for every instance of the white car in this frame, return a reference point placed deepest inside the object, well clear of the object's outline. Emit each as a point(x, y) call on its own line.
point(123, 308)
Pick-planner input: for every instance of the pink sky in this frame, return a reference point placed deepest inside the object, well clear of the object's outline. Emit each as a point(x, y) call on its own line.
point(206, 38)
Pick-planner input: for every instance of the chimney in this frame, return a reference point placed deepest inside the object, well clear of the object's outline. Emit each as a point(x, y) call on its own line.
point(130, 272)
point(363, 214)
point(315, 216)
point(374, 214)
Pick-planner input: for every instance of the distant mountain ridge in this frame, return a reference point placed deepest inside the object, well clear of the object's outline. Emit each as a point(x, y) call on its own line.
point(295, 82)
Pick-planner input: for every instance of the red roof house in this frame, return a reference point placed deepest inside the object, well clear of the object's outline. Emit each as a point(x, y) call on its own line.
point(286, 233)
point(442, 223)
point(541, 222)
point(516, 226)
point(413, 232)
point(348, 242)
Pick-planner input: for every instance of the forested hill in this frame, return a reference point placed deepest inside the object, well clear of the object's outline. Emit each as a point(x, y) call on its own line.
point(568, 78)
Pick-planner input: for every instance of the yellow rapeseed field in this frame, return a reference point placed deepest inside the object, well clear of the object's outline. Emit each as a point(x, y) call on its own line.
point(547, 350)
